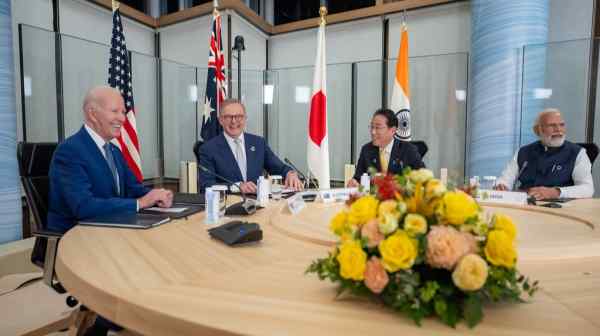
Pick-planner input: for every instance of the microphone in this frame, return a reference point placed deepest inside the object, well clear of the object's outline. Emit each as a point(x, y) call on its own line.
point(291, 165)
point(245, 207)
point(516, 182)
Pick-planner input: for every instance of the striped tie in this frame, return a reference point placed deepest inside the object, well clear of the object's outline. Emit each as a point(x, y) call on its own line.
point(111, 164)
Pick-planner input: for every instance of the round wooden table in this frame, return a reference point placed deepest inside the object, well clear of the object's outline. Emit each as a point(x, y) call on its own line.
point(176, 280)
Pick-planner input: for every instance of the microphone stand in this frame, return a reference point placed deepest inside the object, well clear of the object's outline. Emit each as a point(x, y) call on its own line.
point(243, 208)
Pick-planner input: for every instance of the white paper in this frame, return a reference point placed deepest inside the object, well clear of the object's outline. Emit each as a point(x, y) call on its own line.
point(168, 210)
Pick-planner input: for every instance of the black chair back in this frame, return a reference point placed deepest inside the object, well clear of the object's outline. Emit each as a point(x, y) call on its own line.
point(421, 147)
point(197, 146)
point(34, 164)
point(591, 149)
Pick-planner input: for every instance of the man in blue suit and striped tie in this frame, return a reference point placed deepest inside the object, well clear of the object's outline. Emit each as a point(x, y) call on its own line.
point(239, 156)
point(88, 174)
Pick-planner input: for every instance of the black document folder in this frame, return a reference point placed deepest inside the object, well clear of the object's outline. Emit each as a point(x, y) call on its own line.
point(185, 198)
point(129, 221)
point(190, 209)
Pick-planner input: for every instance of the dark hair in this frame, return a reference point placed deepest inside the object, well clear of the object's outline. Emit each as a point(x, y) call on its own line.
point(389, 116)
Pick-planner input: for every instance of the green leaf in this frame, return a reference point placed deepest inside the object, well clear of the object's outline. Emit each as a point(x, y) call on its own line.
point(472, 310)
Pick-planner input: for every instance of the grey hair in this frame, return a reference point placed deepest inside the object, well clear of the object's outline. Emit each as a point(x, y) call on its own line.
point(538, 120)
point(231, 101)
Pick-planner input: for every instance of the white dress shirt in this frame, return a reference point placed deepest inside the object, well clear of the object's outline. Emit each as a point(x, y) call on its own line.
point(582, 177)
point(233, 146)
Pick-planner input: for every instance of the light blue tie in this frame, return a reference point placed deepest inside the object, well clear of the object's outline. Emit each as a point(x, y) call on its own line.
point(111, 164)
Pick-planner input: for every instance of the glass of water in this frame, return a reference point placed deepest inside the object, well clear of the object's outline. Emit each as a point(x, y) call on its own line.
point(221, 190)
point(488, 182)
point(276, 188)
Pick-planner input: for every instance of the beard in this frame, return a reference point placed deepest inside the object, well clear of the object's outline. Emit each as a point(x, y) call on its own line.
point(552, 141)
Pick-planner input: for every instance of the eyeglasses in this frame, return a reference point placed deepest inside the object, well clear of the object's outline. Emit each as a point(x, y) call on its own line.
point(377, 128)
point(555, 126)
point(236, 117)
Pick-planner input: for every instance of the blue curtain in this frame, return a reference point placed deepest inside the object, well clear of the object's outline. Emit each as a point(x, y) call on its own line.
point(10, 203)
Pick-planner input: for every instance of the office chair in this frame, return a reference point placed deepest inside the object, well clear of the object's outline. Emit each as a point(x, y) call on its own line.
point(421, 147)
point(591, 149)
point(196, 149)
point(34, 164)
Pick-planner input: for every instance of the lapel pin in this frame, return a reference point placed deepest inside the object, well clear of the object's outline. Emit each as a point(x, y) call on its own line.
point(252, 149)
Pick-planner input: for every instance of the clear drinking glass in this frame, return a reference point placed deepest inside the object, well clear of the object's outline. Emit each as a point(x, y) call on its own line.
point(222, 192)
point(276, 188)
point(488, 182)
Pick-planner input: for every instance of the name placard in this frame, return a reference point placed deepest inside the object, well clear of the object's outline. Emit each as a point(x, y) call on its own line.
point(296, 204)
point(336, 195)
point(505, 197)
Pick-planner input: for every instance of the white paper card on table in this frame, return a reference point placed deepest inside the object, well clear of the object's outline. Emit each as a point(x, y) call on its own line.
point(497, 196)
point(336, 195)
point(296, 204)
point(167, 210)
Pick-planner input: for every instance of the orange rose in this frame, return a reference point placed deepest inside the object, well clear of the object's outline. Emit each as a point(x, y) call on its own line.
point(370, 231)
point(376, 278)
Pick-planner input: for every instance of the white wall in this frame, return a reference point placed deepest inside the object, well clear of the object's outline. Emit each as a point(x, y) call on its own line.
point(346, 42)
point(187, 42)
point(91, 22)
point(433, 31)
point(255, 41)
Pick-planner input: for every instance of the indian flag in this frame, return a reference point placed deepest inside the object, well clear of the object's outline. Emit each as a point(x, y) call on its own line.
point(400, 103)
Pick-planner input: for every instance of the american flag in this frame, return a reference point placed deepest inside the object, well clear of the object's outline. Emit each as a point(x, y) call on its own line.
point(119, 77)
point(216, 84)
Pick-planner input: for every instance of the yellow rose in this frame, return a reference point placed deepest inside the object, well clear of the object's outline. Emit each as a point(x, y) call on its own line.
point(499, 249)
point(388, 223)
point(471, 273)
point(352, 259)
point(415, 224)
point(339, 223)
point(398, 251)
point(362, 210)
point(434, 188)
point(457, 206)
point(429, 208)
point(504, 223)
point(389, 207)
point(420, 175)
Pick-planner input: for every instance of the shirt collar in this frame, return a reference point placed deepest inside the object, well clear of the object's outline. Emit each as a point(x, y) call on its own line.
point(232, 140)
point(97, 138)
point(388, 148)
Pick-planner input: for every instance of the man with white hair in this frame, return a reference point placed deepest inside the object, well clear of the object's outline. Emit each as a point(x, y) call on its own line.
point(551, 167)
point(88, 174)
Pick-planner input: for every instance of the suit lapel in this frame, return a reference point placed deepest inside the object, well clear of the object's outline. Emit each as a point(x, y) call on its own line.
point(374, 157)
point(395, 165)
point(250, 147)
point(98, 157)
point(227, 152)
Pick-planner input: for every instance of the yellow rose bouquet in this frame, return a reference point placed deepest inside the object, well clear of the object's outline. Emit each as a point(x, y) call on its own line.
point(424, 250)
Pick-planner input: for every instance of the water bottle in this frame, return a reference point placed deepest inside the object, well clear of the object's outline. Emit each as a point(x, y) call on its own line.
point(262, 192)
point(365, 182)
point(212, 206)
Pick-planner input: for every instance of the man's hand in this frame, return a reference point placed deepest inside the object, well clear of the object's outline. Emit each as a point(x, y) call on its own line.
point(292, 181)
point(542, 193)
point(248, 187)
point(161, 197)
point(352, 183)
point(500, 187)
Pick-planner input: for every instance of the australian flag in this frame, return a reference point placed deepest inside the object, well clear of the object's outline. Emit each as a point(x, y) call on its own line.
point(216, 84)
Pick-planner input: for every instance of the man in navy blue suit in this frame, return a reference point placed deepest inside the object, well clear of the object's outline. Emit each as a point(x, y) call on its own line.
point(385, 153)
point(88, 175)
point(240, 156)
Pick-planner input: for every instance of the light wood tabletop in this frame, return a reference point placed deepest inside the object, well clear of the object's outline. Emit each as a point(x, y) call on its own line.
point(176, 280)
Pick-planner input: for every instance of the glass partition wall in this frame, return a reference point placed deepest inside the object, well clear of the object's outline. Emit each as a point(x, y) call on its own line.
point(169, 98)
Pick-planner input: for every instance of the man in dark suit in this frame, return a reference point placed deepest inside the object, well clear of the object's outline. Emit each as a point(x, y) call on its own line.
point(385, 153)
point(88, 175)
point(239, 156)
